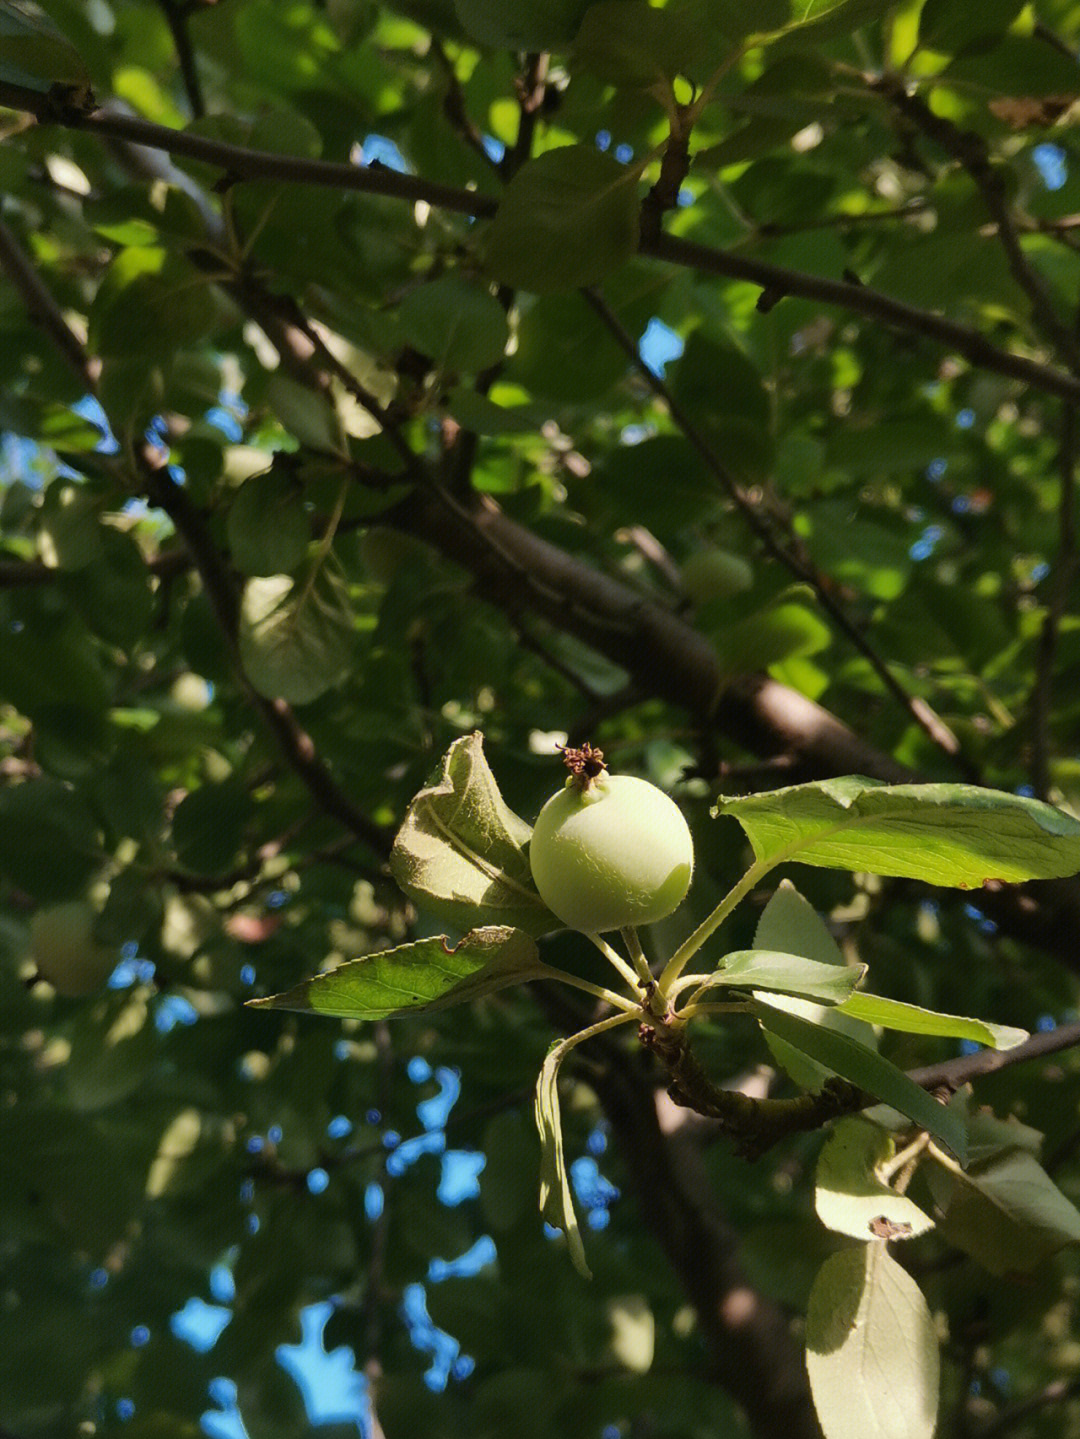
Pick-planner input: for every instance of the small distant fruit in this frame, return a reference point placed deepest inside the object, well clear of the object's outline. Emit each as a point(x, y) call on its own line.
point(64, 949)
point(713, 574)
point(610, 850)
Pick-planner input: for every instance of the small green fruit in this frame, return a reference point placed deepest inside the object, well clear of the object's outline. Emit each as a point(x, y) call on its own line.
point(713, 574)
point(65, 951)
point(614, 853)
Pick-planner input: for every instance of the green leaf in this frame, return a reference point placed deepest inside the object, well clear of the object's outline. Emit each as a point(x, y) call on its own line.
point(892, 1014)
point(786, 627)
point(208, 826)
point(296, 637)
point(787, 974)
point(460, 852)
point(49, 843)
point(871, 1349)
point(267, 526)
point(151, 303)
point(953, 28)
point(567, 219)
point(307, 414)
point(723, 390)
point(69, 525)
point(556, 1201)
point(850, 1197)
point(1006, 1212)
point(630, 44)
point(458, 325)
point(427, 974)
point(866, 1069)
point(947, 834)
point(790, 923)
point(33, 52)
point(538, 25)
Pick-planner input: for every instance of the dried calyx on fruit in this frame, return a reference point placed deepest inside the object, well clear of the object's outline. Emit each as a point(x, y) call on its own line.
point(609, 850)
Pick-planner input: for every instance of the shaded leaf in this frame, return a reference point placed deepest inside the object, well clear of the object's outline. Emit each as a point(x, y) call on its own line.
point(947, 834)
point(49, 843)
point(427, 974)
point(849, 1196)
point(460, 852)
point(267, 525)
point(457, 325)
point(790, 923)
point(556, 1201)
point(866, 1069)
point(871, 1349)
point(296, 637)
point(567, 219)
point(1006, 1212)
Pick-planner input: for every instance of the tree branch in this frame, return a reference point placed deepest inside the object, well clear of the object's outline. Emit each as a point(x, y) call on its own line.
point(176, 16)
point(970, 152)
point(241, 163)
point(930, 723)
point(43, 309)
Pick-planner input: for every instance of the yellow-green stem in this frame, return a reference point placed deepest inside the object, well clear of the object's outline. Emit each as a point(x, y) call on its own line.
point(686, 951)
point(617, 1001)
point(613, 957)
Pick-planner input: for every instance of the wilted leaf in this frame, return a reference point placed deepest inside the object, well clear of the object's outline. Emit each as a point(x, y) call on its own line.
point(460, 852)
point(556, 1201)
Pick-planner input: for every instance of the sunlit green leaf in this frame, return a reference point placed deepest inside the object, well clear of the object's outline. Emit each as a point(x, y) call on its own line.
point(871, 1349)
point(948, 834)
point(849, 1195)
point(427, 974)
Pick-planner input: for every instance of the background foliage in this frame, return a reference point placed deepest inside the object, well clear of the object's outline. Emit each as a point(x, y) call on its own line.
point(328, 439)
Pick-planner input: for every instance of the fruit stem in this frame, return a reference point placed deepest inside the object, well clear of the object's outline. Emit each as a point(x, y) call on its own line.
point(629, 1007)
point(615, 958)
point(708, 926)
point(646, 980)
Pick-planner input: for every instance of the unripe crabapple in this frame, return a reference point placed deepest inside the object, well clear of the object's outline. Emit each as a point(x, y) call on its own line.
point(609, 850)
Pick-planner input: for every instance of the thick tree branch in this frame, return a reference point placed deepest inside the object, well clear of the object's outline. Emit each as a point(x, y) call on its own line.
point(239, 163)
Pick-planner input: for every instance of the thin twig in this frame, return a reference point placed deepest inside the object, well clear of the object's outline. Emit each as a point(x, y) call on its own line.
point(43, 309)
point(931, 724)
point(1060, 587)
point(1056, 1392)
point(176, 16)
point(970, 152)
